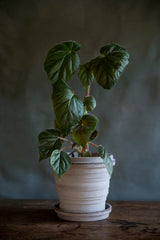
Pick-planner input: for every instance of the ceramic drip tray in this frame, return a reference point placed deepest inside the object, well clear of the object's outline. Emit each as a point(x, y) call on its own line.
point(83, 217)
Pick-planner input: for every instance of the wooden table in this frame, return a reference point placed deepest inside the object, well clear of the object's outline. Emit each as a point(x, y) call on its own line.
point(35, 219)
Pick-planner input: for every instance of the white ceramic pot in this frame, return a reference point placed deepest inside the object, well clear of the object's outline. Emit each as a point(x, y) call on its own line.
point(84, 187)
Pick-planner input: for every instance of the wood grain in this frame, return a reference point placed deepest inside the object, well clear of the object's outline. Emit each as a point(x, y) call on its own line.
point(35, 219)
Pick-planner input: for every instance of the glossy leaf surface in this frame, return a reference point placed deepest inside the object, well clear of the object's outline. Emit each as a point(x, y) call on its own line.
point(85, 74)
point(108, 68)
point(106, 158)
point(62, 61)
point(60, 162)
point(48, 142)
point(90, 103)
point(67, 106)
point(82, 132)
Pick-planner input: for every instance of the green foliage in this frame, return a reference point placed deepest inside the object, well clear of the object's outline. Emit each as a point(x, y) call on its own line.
point(67, 106)
point(108, 67)
point(62, 61)
point(89, 103)
point(60, 162)
point(93, 135)
point(71, 116)
point(83, 130)
point(106, 158)
point(85, 74)
point(48, 141)
point(87, 154)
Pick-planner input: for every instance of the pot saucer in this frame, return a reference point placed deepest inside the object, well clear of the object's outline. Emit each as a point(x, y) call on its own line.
point(83, 217)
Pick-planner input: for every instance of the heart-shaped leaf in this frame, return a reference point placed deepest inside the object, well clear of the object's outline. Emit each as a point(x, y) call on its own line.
point(106, 158)
point(82, 132)
point(60, 162)
point(67, 106)
point(86, 75)
point(62, 61)
point(89, 103)
point(108, 68)
point(48, 141)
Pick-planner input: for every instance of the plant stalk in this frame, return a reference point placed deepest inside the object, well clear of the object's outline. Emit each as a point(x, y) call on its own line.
point(82, 152)
point(87, 147)
point(93, 144)
point(87, 94)
point(65, 148)
point(87, 91)
point(66, 140)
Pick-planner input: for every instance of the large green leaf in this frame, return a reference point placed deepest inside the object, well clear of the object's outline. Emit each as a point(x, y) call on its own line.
point(62, 61)
point(106, 158)
point(86, 75)
point(108, 68)
point(67, 106)
point(90, 103)
point(48, 141)
point(60, 162)
point(82, 132)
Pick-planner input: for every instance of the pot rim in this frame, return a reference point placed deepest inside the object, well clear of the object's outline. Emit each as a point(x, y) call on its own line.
point(93, 159)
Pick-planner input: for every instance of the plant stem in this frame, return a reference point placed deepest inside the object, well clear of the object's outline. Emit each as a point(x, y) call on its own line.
point(65, 148)
point(82, 153)
point(87, 94)
point(93, 144)
point(87, 91)
point(66, 140)
point(87, 147)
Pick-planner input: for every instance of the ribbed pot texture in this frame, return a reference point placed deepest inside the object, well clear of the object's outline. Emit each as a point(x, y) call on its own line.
point(84, 187)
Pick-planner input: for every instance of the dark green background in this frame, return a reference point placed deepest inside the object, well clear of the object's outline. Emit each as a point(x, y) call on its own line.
point(129, 114)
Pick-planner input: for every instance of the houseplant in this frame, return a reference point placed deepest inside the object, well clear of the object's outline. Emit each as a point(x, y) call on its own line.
point(82, 178)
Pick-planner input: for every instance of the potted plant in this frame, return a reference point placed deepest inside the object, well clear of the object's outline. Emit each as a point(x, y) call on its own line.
point(82, 177)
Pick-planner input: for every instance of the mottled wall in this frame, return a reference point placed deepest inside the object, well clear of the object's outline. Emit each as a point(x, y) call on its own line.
point(129, 114)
